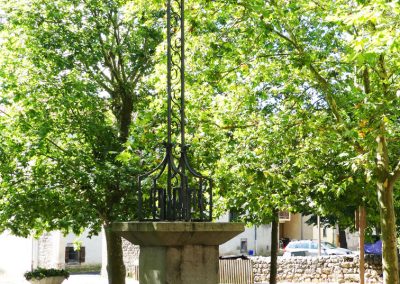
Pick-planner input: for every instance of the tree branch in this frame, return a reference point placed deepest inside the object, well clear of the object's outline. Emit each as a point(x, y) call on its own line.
point(366, 81)
point(396, 173)
point(325, 86)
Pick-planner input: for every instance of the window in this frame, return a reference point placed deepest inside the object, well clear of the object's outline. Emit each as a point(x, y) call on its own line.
point(328, 245)
point(243, 245)
point(74, 256)
point(284, 216)
point(304, 245)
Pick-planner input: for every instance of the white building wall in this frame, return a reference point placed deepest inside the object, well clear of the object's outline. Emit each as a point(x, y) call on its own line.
point(264, 240)
point(18, 255)
point(15, 255)
point(103, 254)
point(258, 240)
point(353, 240)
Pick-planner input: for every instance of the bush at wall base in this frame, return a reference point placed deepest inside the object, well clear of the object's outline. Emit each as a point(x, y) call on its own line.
point(46, 276)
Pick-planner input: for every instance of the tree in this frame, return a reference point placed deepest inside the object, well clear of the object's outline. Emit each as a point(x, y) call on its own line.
point(72, 80)
point(343, 57)
point(371, 116)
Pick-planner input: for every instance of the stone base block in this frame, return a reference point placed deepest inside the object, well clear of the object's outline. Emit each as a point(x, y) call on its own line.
point(178, 252)
point(194, 264)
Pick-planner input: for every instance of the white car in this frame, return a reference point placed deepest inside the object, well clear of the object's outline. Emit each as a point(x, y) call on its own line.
point(310, 248)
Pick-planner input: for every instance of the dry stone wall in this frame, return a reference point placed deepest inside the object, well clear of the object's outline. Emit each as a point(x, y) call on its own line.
point(131, 258)
point(334, 269)
point(45, 250)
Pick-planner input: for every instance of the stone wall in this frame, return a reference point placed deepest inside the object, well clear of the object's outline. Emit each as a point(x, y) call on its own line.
point(50, 250)
point(131, 258)
point(335, 269)
point(45, 250)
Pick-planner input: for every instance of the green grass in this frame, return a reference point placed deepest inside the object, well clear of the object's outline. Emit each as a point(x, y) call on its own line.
point(83, 268)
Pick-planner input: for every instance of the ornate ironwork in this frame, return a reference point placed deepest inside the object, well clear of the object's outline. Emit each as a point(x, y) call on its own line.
point(174, 191)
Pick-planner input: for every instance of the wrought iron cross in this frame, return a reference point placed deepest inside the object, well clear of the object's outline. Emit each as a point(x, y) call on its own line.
point(174, 191)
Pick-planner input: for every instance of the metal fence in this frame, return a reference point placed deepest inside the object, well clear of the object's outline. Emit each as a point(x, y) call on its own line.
point(235, 271)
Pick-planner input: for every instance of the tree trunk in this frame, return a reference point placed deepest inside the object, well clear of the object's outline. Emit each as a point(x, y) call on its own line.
point(388, 226)
point(387, 216)
point(274, 248)
point(115, 263)
point(342, 238)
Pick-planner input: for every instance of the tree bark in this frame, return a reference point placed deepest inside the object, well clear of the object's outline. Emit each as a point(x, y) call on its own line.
point(342, 238)
point(388, 226)
point(274, 248)
point(115, 263)
point(125, 118)
point(387, 215)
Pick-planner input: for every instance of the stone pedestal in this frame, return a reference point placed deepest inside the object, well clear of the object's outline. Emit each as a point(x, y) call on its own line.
point(178, 252)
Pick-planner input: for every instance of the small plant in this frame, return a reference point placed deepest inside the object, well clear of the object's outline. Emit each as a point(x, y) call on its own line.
point(40, 273)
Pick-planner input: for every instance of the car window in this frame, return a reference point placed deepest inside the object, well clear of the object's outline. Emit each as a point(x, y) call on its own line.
point(314, 245)
point(299, 245)
point(328, 245)
point(291, 245)
point(304, 245)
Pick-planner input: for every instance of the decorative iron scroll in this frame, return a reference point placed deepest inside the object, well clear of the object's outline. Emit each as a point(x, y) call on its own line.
point(174, 191)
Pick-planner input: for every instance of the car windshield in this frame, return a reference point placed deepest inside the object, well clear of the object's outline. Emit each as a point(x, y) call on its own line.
point(298, 245)
point(328, 245)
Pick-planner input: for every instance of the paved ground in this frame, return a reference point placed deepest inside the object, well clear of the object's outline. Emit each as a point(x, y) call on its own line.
point(73, 279)
point(88, 279)
point(92, 279)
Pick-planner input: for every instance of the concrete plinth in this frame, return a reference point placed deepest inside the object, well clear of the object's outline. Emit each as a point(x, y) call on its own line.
point(178, 252)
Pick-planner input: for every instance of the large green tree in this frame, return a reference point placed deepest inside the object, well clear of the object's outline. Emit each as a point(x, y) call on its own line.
point(363, 102)
point(72, 80)
point(342, 56)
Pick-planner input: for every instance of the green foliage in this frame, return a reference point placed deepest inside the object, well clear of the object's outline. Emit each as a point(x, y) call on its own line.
point(293, 113)
point(40, 273)
point(285, 101)
point(323, 78)
point(72, 80)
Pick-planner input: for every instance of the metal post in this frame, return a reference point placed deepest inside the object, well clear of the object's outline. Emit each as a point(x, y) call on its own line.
point(362, 232)
point(184, 194)
point(255, 240)
point(319, 235)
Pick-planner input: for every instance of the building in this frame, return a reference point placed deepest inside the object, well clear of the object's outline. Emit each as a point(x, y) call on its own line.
point(294, 227)
point(255, 240)
point(51, 250)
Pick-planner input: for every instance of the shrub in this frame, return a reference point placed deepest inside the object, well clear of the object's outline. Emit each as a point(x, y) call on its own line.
point(40, 273)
